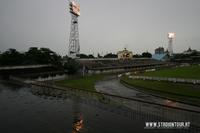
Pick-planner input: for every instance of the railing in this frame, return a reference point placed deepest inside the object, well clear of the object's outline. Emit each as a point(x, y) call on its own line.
point(23, 67)
point(128, 107)
point(169, 79)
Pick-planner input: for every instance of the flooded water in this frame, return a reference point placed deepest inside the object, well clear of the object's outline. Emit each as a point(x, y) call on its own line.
point(26, 109)
point(114, 86)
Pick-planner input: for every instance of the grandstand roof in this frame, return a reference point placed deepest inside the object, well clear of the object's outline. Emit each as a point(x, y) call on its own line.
point(111, 64)
point(160, 57)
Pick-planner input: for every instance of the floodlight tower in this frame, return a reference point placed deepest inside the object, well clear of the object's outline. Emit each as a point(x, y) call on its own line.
point(170, 43)
point(74, 46)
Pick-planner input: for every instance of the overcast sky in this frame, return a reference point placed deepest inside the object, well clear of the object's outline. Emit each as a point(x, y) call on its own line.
point(104, 25)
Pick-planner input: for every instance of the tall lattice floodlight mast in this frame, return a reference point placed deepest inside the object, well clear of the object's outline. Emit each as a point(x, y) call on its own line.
point(74, 46)
point(170, 43)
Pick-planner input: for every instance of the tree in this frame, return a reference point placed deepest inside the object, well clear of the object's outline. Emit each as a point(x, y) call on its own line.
point(137, 56)
point(42, 56)
point(146, 54)
point(110, 55)
point(83, 56)
point(99, 56)
point(32, 56)
point(90, 56)
point(71, 66)
point(50, 56)
point(11, 57)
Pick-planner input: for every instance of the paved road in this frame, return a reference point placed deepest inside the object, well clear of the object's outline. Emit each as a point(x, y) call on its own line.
point(113, 86)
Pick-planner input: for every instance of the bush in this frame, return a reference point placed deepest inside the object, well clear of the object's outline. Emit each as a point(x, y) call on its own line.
point(72, 66)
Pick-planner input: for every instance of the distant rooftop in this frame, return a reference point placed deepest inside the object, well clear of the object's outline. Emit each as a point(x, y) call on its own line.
point(160, 57)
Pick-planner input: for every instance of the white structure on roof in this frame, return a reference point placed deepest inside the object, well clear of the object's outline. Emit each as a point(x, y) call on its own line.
point(125, 54)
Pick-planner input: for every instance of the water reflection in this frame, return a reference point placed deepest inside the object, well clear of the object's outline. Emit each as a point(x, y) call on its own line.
point(129, 108)
point(170, 103)
point(10, 85)
point(77, 123)
point(51, 110)
point(78, 117)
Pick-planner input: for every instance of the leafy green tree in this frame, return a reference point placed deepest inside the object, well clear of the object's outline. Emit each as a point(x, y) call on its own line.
point(32, 56)
point(146, 54)
point(11, 57)
point(71, 66)
point(50, 56)
point(83, 56)
point(137, 56)
point(90, 56)
point(42, 56)
point(110, 55)
point(99, 56)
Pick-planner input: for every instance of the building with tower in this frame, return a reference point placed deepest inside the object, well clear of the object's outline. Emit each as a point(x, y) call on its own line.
point(160, 54)
point(159, 50)
point(124, 54)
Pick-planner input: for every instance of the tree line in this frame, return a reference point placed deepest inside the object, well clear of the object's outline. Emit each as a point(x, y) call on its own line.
point(31, 57)
point(45, 56)
point(34, 56)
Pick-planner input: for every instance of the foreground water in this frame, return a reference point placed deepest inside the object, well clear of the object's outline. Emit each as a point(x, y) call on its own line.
point(23, 109)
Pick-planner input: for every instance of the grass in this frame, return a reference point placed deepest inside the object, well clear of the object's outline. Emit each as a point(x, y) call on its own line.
point(185, 92)
point(86, 83)
point(192, 72)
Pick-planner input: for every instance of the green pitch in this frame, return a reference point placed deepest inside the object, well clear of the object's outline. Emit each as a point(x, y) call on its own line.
point(192, 72)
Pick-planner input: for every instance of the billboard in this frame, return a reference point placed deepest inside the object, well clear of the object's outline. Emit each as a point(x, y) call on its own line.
point(74, 8)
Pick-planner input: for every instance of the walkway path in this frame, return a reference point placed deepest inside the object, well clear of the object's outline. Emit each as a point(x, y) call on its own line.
point(115, 87)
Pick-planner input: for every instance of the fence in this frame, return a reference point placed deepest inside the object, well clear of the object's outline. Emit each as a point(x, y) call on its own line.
point(128, 107)
point(168, 79)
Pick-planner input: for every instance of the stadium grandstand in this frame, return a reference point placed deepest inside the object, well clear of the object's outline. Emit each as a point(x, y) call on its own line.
point(112, 64)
